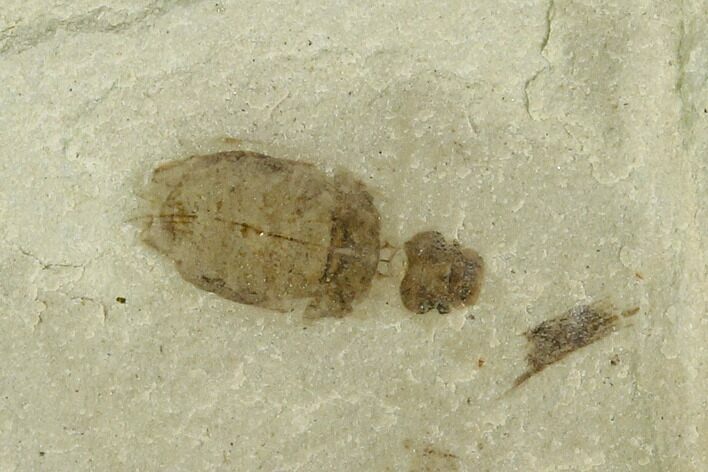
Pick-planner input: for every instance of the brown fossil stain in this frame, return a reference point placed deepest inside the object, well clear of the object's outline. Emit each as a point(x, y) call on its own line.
point(431, 458)
point(265, 231)
point(554, 339)
point(440, 275)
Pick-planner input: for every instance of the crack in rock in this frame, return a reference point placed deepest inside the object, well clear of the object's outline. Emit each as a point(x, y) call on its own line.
point(544, 43)
point(20, 37)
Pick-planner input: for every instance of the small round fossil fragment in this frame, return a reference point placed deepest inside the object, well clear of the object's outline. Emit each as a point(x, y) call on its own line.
point(440, 275)
point(265, 231)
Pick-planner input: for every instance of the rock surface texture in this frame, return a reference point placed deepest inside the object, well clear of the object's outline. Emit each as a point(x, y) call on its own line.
point(565, 141)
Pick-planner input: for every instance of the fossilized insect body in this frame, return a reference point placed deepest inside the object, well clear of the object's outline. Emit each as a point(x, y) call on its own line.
point(440, 275)
point(554, 339)
point(265, 231)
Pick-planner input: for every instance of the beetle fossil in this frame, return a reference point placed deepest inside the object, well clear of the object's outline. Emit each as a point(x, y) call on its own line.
point(262, 231)
point(266, 231)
